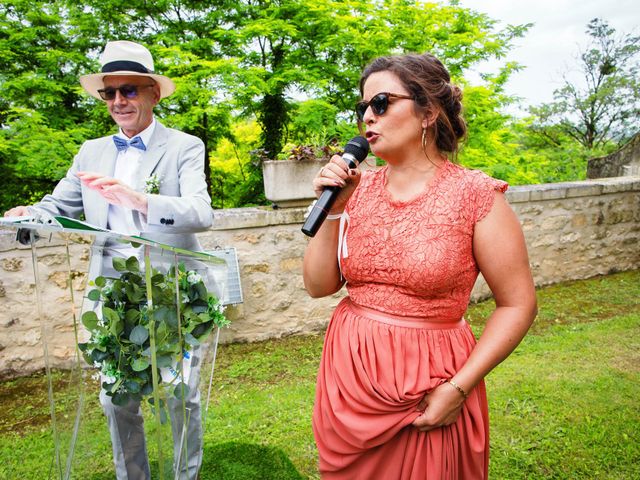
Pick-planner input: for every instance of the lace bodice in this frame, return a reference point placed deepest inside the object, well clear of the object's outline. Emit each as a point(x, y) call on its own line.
point(415, 258)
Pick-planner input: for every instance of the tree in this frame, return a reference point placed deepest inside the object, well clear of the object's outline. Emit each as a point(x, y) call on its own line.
point(605, 106)
point(43, 116)
point(232, 61)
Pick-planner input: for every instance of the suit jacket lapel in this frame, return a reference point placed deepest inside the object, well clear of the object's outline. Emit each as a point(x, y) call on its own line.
point(150, 158)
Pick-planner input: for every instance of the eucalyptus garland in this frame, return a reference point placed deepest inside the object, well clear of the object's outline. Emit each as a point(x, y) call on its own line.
point(120, 344)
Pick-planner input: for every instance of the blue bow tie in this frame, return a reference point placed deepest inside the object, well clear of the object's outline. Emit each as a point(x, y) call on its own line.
point(122, 144)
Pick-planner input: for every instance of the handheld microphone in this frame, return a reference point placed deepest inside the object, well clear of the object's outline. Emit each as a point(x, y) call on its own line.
point(355, 151)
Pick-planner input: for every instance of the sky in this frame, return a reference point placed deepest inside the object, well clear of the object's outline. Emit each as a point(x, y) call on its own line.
point(550, 47)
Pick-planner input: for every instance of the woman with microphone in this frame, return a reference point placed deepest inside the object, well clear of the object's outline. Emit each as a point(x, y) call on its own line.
point(400, 391)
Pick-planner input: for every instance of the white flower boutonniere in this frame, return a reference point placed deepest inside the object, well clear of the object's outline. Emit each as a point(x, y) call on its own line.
point(152, 184)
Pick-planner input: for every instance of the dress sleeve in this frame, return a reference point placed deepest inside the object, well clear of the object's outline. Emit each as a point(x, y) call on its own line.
point(486, 187)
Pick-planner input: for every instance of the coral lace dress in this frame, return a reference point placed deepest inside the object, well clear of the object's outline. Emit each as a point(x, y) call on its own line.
point(409, 268)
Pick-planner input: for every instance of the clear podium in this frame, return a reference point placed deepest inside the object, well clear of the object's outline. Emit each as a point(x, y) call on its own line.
point(145, 320)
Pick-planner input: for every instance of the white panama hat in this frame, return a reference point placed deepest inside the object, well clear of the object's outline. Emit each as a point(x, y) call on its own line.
point(122, 57)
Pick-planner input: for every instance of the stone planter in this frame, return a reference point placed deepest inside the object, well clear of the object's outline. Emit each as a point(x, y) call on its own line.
point(287, 183)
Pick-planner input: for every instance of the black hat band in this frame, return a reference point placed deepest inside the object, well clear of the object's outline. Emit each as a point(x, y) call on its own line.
point(125, 65)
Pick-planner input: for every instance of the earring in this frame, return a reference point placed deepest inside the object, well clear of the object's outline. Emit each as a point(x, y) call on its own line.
point(424, 139)
point(424, 147)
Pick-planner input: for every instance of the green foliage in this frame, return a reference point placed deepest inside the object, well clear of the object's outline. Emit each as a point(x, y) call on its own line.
point(603, 107)
point(230, 60)
point(121, 341)
point(236, 170)
point(290, 69)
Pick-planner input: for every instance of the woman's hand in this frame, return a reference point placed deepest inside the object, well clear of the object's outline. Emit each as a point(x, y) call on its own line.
point(440, 407)
point(337, 174)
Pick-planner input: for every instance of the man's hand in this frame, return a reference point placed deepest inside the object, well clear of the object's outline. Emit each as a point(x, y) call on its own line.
point(19, 211)
point(114, 191)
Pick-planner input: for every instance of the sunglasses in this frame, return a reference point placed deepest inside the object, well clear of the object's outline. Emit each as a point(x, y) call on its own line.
point(378, 103)
point(127, 91)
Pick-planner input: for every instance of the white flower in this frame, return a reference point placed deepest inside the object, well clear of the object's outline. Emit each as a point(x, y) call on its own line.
point(109, 379)
point(193, 278)
point(152, 184)
point(95, 376)
point(185, 298)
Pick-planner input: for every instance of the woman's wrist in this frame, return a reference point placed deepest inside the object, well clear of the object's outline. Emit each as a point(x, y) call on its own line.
point(460, 390)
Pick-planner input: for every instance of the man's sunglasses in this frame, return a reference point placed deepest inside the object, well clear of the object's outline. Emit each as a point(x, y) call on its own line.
point(378, 103)
point(127, 91)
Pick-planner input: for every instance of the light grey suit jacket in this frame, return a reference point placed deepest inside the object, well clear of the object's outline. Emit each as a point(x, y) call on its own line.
point(182, 207)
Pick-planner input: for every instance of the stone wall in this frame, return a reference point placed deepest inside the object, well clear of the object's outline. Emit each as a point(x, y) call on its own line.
point(625, 161)
point(573, 230)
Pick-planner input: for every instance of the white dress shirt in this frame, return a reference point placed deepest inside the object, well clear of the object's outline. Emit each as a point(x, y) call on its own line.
point(119, 218)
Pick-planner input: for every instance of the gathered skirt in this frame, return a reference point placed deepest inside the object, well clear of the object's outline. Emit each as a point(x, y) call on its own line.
point(375, 369)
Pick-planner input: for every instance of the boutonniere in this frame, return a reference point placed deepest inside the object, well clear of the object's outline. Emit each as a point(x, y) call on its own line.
point(152, 184)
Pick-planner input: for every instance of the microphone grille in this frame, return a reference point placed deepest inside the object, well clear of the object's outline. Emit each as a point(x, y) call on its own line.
point(358, 147)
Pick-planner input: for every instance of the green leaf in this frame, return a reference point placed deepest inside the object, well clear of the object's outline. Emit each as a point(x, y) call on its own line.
point(94, 295)
point(162, 333)
point(110, 316)
point(163, 416)
point(98, 355)
point(135, 244)
point(200, 308)
point(181, 391)
point(134, 293)
point(191, 340)
point(100, 282)
point(163, 413)
point(116, 385)
point(116, 326)
point(139, 335)
point(164, 361)
point(139, 364)
point(90, 320)
point(87, 358)
point(120, 399)
point(132, 386)
point(132, 264)
point(132, 316)
point(147, 389)
point(202, 291)
point(107, 387)
point(168, 315)
point(203, 328)
point(119, 264)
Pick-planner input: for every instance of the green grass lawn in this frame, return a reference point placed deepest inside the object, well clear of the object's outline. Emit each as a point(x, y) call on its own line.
point(565, 405)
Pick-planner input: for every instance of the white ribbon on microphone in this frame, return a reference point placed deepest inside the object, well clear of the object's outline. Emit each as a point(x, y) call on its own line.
point(343, 252)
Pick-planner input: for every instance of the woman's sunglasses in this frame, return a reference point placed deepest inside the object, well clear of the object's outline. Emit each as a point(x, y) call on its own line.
point(127, 91)
point(378, 103)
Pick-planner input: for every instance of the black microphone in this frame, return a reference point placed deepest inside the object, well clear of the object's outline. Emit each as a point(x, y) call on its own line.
point(355, 151)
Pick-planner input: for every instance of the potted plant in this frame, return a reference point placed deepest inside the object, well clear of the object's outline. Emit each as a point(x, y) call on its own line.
point(288, 182)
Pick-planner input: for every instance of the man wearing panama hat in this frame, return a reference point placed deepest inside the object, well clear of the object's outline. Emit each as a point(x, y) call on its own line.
point(106, 183)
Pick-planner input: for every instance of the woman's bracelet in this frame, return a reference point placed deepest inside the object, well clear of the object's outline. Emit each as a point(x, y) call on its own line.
point(334, 216)
point(458, 387)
